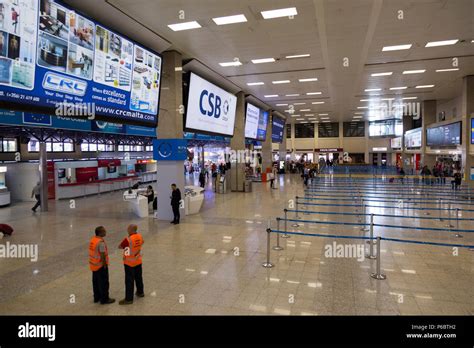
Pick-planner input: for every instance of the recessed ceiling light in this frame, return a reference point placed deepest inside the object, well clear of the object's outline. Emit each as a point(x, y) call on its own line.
point(359, 113)
point(303, 110)
point(233, 63)
point(263, 60)
point(362, 107)
point(309, 114)
point(382, 74)
point(282, 12)
point(312, 119)
point(313, 93)
point(421, 71)
point(317, 103)
point(323, 114)
point(271, 95)
point(424, 86)
point(373, 89)
point(398, 88)
point(300, 119)
point(184, 26)
point(365, 100)
point(178, 68)
point(409, 98)
point(308, 80)
point(280, 82)
point(281, 104)
point(356, 117)
point(326, 121)
point(387, 99)
point(292, 95)
point(230, 19)
point(324, 118)
point(299, 103)
point(396, 47)
point(441, 43)
point(295, 115)
point(444, 70)
point(298, 56)
point(255, 83)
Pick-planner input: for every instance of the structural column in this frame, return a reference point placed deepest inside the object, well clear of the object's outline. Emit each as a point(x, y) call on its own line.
point(428, 112)
point(467, 115)
point(267, 146)
point(170, 126)
point(43, 172)
point(237, 144)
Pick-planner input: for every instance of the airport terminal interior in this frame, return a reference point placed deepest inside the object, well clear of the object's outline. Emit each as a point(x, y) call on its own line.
point(322, 153)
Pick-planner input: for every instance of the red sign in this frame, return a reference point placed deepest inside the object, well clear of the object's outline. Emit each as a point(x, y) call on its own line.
point(108, 162)
point(87, 174)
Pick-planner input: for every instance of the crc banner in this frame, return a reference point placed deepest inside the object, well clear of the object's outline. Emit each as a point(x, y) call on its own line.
point(50, 54)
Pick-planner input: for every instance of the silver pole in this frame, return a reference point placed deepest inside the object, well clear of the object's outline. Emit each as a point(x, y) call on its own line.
point(43, 176)
point(285, 235)
point(364, 228)
point(378, 275)
point(371, 255)
point(457, 235)
point(268, 264)
point(440, 204)
point(278, 247)
point(449, 225)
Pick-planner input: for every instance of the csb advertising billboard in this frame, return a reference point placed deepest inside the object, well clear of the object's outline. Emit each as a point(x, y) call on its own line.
point(50, 54)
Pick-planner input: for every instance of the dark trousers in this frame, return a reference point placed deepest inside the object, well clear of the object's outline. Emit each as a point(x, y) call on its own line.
point(100, 284)
point(272, 183)
point(38, 202)
point(176, 212)
point(133, 275)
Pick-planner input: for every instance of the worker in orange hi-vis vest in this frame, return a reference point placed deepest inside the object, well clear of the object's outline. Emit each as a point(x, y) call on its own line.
point(132, 260)
point(99, 265)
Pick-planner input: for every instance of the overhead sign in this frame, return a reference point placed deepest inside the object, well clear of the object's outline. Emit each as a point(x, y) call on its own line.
point(50, 55)
point(278, 127)
point(252, 117)
point(170, 149)
point(210, 109)
point(413, 138)
point(329, 150)
point(396, 143)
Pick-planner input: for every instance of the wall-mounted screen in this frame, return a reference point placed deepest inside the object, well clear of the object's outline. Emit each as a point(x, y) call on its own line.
point(396, 143)
point(472, 130)
point(446, 135)
point(210, 109)
point(51, 54)
point(278, 128)
point(413, 138)
point(256, 121)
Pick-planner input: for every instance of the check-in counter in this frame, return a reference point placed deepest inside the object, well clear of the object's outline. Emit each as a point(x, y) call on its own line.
point(137, 201)
point(74, 190)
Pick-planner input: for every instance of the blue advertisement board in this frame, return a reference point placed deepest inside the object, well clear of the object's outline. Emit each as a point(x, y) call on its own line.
point(170, 149)
point(278, 127)
point(54, 55)
point(16, 118)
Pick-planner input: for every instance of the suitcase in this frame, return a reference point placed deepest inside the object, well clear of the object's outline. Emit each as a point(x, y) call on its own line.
point(391, 179)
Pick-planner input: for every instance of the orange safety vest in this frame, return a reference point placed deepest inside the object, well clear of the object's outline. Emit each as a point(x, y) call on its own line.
point(132, 256)
point(95, 262)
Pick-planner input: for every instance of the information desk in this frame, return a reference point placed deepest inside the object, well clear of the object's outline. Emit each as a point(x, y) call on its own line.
point(137, 201)
point(73, 190)
point(193, 199)
point(4, 197)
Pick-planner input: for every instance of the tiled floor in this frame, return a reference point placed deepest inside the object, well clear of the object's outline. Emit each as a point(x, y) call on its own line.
point(211, 262)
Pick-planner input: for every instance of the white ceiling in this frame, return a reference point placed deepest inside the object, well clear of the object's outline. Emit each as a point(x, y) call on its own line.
point(328, 30)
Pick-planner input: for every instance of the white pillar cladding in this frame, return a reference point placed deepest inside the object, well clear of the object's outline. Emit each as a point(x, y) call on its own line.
point(237, 143)
point(467, 114)
point(170, 126)
point(267, 159)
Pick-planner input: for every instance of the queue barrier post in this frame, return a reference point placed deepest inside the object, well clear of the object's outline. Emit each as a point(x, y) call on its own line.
point(371, 255)
point(378, 275)
point(267, 263)
point(457, 235)
point(278, 247)
point(440, 204)
point(449, 225)
point(296, 214)
point(285, 235)
point(427, 196)
point(364, 228)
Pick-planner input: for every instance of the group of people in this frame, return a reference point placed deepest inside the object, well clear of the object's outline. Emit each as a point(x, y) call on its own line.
point(439, 173)
point(132, 261)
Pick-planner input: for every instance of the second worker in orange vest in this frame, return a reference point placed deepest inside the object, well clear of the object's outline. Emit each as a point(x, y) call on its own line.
point(132, 260)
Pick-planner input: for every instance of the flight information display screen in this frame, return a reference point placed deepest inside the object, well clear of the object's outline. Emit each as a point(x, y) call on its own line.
point(447, 135)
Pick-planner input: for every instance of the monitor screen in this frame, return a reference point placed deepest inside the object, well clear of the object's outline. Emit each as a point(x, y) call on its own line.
point(56, 54)
point(210, 109)
point(446, 135)
point(252, 117)
point(278, 127)
point(413, 138)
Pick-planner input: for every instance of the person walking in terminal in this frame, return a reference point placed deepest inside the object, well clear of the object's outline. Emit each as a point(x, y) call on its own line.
point(99, 265)
point(175, 202)
point(132, 261)
point(37, 194)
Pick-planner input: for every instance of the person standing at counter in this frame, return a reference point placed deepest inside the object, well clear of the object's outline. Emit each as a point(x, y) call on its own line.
point(175, 202)
point(37, 194)
point(99, 265)
point(132, 261)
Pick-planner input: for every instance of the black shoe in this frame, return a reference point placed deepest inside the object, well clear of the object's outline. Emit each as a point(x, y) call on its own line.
point(139, 295)
point(34, 210)
point(109, 301)
point(176, 223)
point(125, 302)
point(172, 222)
